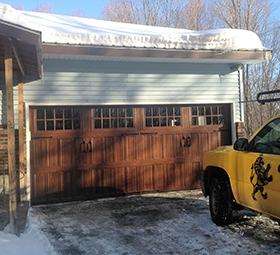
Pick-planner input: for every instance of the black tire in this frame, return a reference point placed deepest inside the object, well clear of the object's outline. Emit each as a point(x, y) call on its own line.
point(220, 201)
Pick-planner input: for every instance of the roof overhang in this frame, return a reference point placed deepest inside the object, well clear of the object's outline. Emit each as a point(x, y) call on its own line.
point(84, 52)
point(26, 46)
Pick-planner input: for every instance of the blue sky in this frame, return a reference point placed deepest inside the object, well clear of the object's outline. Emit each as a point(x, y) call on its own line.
point(92, 8)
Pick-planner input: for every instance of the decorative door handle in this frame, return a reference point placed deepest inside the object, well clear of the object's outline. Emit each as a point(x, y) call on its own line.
point(189, 139)
point(85, 147)
point(89, 146)
point(183, 141)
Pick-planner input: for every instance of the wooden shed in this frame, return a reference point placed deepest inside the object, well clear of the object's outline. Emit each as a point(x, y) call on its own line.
point(20, 54)
point(108, 120)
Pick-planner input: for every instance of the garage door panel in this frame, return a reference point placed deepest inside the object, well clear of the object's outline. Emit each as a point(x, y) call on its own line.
point(180, 176)
point(87, 179)
point(120, 180)
point(215, 140)
point(97, 181)
point(40, 153)
point(109, 181)
point(195, 175)
point(39, 188)
point(53, 152)
point(170, 177)
point(148, 146)
point(131, 147)
point(97, 150)
point(108, 151)
point(68, 151)
point(132, 182)
point(168, 147)
point(54, 186)
point(159, 177)
point(66, 185)
point(158, 146)
point(147, 176)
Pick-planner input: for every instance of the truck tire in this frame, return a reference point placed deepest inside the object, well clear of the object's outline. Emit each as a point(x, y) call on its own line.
point(220, 201)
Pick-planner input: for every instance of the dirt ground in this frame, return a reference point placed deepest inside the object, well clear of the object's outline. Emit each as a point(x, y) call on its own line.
point(161, 223)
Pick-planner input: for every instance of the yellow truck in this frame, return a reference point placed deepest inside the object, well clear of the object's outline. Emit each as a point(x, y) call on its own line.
point(246, 174)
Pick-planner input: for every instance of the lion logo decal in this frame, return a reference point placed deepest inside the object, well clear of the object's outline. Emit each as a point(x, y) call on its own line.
point(260, 177)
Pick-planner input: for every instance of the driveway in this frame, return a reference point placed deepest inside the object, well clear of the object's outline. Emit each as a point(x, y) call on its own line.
point(162, 223)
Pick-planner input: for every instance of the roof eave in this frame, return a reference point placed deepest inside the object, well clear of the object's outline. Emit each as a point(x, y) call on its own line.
point(240, 56)
point(27, 43)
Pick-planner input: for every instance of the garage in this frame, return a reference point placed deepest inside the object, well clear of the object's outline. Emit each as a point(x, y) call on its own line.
point(125, 109)
point(87, 152)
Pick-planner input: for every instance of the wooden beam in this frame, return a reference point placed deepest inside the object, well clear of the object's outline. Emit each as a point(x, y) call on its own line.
point(22, 192)
point(11, 139)
point(17, 56)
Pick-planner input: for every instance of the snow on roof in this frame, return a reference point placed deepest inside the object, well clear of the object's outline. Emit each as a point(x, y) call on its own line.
point(84, 31)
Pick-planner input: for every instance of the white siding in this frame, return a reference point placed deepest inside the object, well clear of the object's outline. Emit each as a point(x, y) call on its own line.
point(103, 82)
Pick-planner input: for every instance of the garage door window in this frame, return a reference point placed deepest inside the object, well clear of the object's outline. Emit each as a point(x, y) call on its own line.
point(58, 119)
point(207, 115)
point(104, 118)
point(162, 116)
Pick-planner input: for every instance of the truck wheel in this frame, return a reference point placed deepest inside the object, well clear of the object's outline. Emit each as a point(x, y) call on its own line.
point(220, 201)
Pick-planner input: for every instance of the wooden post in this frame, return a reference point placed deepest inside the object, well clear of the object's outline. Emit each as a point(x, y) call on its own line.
point(11, 139)
point(22, 192)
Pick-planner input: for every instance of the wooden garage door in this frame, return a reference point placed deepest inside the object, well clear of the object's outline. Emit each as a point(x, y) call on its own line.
point(86, 152)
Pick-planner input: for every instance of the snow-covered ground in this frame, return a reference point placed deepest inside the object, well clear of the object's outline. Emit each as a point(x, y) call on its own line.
point(162, 223)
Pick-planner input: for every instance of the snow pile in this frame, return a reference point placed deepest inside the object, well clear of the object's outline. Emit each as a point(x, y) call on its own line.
point(85, 31)
point(31, 242)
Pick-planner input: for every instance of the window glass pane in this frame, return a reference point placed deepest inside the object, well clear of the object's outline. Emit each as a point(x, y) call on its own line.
point(129, 112)
point(122, 123)
point(59, 125)
point(215, 120)
point(194, 111)
point(171, 122)
point(76, 124)
point(163, 121)
point(177, 121)
point(221, 110)
point(208, 110)
point(58, 113)
point(122, 112)
point(114, 112)
point(40, 125)
point(194, 121)
point(67, 114)
point(50, 125)
point(201, 121)
point(155, 111)
point(208, 120)
point(156, 122)
point(68, 124)
point(214, 110)
point(221, 120)
point(97, 113)
point(49, 114)
point(177, 111)
point(97, 124)
point(162, 111)
point(105, 112)
point(201, 110)
point(106, 123)
point(148, 122)
point(114, 123)
point(76, 113)
point(129, 123)
point(40, 114)
point(148, 112)
point(170, 111)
